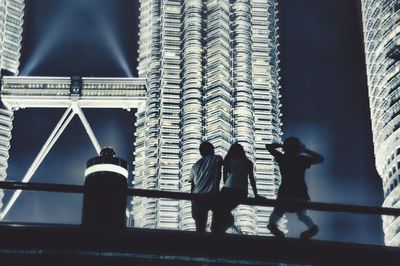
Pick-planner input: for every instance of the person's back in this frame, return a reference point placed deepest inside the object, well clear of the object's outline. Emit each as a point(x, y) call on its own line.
point(206, 174)
point(237, 176)
point(292, 168)
point(204, 178)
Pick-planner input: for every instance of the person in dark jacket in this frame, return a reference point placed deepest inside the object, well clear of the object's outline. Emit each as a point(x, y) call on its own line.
point(293, 163)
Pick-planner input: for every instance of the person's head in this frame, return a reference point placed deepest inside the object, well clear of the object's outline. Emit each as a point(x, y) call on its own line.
point(292, 145)
point(236, 151)
point(206, 148)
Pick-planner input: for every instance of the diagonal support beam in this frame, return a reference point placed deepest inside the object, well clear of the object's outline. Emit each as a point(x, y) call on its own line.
point(88, 129)
point(55, 134)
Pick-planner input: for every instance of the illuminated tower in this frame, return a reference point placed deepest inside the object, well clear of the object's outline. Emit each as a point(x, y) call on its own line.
point(381, 20)
point(11, 13)
point(212, 74)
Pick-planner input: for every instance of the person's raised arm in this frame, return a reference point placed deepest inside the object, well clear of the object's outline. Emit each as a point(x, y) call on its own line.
point(252, 179)
point(315, 157)
point(271, 148)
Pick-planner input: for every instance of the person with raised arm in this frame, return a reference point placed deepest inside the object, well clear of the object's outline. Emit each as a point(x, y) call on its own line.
point(293, 163)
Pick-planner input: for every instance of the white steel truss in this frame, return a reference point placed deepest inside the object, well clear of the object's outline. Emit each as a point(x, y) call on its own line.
point(73, 94)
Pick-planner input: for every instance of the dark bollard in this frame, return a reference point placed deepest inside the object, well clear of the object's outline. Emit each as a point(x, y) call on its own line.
point(105, 192)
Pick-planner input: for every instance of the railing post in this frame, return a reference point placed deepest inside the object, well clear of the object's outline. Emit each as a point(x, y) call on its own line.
point(105, 193)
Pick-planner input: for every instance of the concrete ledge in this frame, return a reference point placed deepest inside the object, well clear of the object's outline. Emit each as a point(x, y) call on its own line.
point(69, 245)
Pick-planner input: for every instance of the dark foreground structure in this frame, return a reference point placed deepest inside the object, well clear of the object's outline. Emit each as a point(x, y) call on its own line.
point(70, 245)
point(55, 244)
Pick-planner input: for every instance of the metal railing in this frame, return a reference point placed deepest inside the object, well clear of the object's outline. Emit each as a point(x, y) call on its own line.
point(292, 203)
point(164, 245)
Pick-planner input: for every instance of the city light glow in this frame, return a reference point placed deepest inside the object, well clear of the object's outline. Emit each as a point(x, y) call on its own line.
point(56, 33)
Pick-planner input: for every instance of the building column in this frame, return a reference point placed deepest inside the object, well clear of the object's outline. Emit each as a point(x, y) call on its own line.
point(267, 125)
point(169, 124)
point(6, 118)
point(191, 100)
point(218, 98)
point(243, 113)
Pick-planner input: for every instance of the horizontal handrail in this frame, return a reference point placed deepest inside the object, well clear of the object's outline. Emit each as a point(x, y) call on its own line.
point(286, 203)
point(292, 203)
point(47, 187)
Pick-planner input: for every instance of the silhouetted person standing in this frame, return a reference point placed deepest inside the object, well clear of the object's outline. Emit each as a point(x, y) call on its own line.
point(293, 164)
point(238, 170)
point(205, 177)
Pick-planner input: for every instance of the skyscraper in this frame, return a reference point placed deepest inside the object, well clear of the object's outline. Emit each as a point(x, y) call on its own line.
point(381, 20)
point(212, 74)
point(11, 14)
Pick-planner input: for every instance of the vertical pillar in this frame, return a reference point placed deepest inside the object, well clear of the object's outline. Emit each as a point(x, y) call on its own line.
point(266, 102)
point(243, 111)
point(138, 203)
point(192, 99)
point(170, 89)
point(147, 140)
point(11, 20)
point(105, 193)
point(218, 89)
point(6, 118)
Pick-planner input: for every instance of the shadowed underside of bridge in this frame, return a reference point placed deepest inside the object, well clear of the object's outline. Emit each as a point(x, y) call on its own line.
point(69, 245)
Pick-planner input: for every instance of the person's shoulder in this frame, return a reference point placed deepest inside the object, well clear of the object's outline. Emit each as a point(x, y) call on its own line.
point(207, 159)
point(218, 158)
point(199, 162)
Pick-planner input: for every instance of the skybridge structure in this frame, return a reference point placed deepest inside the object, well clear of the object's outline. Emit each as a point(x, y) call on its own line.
point(73, 94)
point(63, 92)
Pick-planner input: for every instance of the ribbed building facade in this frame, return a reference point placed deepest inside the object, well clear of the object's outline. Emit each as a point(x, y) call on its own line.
point(212, 74)
point(11, 20)
point(6, 118)
point(381, 19)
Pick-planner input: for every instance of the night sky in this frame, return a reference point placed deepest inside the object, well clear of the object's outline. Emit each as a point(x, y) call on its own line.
point(324, 97)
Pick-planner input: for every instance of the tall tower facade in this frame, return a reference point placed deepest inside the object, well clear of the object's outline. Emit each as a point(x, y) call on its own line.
point(11, 20)
point(381, 19)
point(212, 74)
